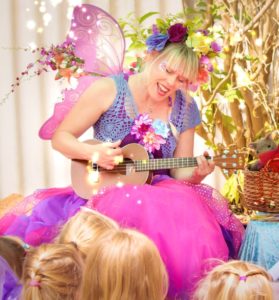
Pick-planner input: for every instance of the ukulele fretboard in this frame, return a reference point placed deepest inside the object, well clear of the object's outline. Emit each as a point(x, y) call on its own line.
point(165, 163)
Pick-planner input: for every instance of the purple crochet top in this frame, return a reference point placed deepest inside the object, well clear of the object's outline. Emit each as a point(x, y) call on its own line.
point(116, 122)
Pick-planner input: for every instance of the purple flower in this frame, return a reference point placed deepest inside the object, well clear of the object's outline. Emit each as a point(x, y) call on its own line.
point(156, 42)
point(177, 33)
point(215, 47)
point(155, 29)
point(204, 31)
point(206, 63)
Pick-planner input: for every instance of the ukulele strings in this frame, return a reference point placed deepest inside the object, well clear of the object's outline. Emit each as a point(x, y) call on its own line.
point(122, 166)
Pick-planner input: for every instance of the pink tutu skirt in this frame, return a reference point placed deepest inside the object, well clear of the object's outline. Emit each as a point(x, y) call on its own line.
point(190, 224)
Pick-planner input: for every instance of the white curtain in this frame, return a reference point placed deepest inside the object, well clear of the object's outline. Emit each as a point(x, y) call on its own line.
point(28, 163)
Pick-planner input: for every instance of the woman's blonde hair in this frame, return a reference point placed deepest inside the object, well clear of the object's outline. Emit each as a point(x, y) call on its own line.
point(13, 251)
point(84, 228)
point(235, 280)
point(125, 265)
point(52, 271)
point(179, 58)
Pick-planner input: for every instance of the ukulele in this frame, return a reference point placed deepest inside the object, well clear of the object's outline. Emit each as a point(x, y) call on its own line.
point(136, 168)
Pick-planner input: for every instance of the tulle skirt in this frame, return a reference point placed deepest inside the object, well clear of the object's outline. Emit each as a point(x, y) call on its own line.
point(190, 224)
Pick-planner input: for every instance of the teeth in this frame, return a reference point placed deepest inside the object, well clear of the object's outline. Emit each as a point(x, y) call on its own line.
point(162, 88)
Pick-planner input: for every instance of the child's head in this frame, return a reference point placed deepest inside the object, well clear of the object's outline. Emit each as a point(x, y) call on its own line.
point(52, 271)
point(13, 250)
point(235, 280)
point(84, 228)
point(124, 264)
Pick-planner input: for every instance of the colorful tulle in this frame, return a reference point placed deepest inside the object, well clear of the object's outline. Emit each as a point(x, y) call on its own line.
point(190, 224)
point(39, 217)
point(187, 223)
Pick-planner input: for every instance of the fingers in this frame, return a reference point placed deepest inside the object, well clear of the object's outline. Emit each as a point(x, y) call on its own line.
point(110, 154)
point(114, 144)
point(205, 167)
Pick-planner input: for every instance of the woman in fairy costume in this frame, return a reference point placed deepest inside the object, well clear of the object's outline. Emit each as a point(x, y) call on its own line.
point(188, 221)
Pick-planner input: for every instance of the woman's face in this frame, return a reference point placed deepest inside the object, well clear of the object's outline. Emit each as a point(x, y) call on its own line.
point(163, 81)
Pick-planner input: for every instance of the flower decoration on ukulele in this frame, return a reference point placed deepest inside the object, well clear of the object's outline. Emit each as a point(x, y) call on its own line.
point(151, 134)
point(201, 41)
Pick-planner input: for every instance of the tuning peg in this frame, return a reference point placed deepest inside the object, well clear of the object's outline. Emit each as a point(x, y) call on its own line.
point(226, 171)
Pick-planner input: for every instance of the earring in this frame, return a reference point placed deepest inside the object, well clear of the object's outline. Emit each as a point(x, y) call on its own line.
point(170, 101)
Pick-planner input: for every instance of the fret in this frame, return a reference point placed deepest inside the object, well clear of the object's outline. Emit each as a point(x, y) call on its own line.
point(165, 163)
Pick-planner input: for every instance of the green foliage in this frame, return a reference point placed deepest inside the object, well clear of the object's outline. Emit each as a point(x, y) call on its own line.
point(233, 188)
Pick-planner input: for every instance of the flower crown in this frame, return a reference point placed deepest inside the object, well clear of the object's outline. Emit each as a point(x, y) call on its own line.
point(201, 41)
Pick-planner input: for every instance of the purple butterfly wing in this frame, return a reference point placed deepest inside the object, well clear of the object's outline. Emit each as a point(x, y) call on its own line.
point(100, 42)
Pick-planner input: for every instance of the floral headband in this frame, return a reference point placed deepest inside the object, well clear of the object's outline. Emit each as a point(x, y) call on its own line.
point(200, 41)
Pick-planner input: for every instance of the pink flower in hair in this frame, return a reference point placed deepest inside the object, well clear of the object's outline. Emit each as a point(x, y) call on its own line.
point(215, 47)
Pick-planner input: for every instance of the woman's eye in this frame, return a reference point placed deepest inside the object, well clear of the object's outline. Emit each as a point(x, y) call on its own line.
point(181, 80)
point(168, 71)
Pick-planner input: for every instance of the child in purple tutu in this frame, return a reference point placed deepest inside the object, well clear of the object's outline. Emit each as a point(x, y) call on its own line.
point(188, 221)
point(235, 280)
point(52, 271)
point(124, 264)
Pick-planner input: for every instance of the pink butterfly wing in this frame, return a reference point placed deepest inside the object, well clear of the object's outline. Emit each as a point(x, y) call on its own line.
point(100, 42)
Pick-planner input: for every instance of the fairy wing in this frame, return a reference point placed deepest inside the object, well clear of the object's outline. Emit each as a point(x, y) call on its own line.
point(99, 41)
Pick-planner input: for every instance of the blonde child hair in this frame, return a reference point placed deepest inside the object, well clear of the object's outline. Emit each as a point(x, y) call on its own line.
point(52, 271)
point(13, 250)
point(125, 265)
point(84, 228)
point(235, 280)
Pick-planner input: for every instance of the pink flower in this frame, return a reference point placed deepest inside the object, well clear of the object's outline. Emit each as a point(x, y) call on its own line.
point(215, 47)
point(141, 125)
point(145, 133)
point(152, 141)
point(206, 63)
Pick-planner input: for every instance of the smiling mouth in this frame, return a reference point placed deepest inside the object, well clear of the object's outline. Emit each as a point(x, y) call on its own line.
point(162, 89)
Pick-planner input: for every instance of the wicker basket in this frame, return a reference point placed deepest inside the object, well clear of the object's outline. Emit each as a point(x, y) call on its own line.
point(261, 190)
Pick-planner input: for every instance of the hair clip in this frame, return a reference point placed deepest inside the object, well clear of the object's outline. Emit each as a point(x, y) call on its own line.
point(26, 246)
point(34, 283)
point(242, 277)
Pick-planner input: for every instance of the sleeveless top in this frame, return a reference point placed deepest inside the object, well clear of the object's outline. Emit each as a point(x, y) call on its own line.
point(117, 121)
